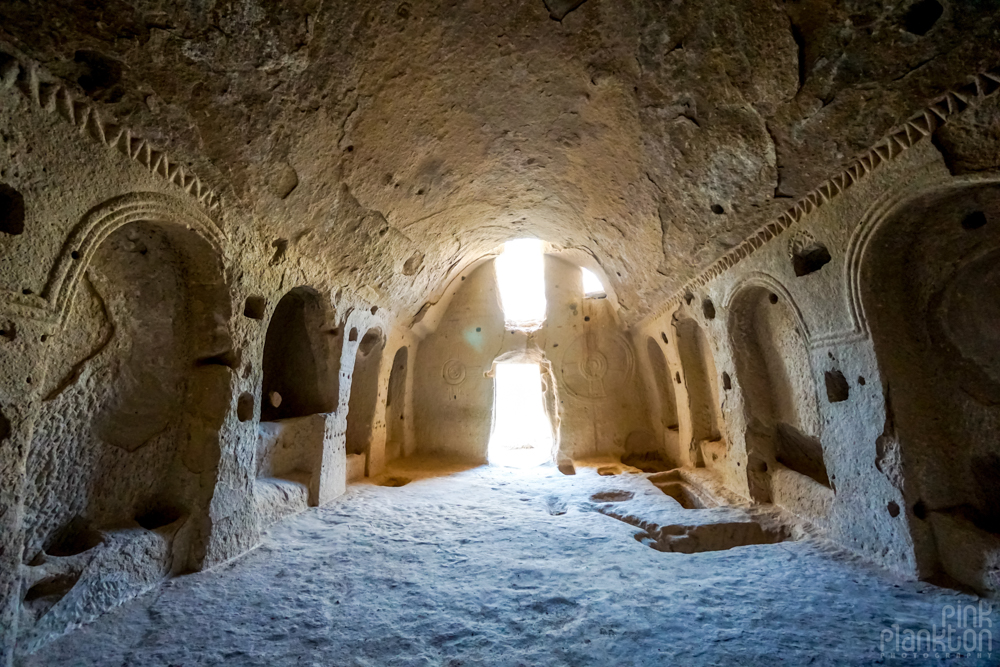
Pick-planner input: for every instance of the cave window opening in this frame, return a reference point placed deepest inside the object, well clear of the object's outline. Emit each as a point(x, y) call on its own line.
point(520, 275)
point(522, 433)
point(592, 287)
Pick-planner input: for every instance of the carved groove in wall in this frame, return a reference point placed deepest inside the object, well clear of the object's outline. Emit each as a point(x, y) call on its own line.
point(53, 304)
point(51, 97)
point(920, 126)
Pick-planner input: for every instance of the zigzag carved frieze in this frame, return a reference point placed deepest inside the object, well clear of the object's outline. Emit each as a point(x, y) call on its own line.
point(57, 98)
point(914, 130)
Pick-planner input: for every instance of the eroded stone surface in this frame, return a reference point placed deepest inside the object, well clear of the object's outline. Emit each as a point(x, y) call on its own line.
point(438, 126)
point(246, 256)
point(477, 566)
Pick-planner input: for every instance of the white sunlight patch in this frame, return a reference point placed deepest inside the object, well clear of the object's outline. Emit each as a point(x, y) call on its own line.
point(521, 277)
point(592, 284)
point(522, 434)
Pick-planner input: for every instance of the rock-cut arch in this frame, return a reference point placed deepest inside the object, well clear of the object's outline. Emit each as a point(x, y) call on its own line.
point(300, 370)
point(775, 379)
point(929, 281)
point(362, 408)
point(188, 227)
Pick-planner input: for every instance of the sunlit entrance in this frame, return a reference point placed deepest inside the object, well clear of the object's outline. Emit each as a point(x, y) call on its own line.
point(522, 433)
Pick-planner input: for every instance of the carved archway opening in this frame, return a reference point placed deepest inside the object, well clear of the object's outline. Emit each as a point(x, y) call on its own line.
point(138, 385)
point(776, 382)
point(363, 404)
point(930, 287)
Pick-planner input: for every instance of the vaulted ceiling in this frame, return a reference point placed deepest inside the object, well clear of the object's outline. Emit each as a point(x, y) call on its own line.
point(653, 134)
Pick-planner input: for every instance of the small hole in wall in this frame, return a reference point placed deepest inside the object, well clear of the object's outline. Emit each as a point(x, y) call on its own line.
point(717, 209)
point(677, 376)
point(920, 510)
point(254, 307)
point(921, 16)
point(353, 335)
point(11, 210)
point(810, 260)
point(51, 589)
point(861, 380)
point(350, 149)
point(708, 308)
point(244, 407)
point(893, 509)
point(587, 318)
point(664, 337)
point(974, 221)
point(837, 389)
point(75, 254)
point(773, 298)
point(74, 539)
point(688, 298)
point(374, 309)
point(727, 382)
point(158, 517)
point(5, 427)
point(44, 338)
point(479, 329)
point(555, 344)
point(26, 291)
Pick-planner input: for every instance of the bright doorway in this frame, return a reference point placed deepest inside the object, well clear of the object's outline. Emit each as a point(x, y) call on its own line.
point(522, 433)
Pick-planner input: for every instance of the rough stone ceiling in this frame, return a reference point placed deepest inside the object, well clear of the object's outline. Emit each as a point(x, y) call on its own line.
point(653, 134)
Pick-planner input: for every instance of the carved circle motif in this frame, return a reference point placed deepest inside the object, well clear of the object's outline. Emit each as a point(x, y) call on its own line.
point(595, 368)
point(453, 371)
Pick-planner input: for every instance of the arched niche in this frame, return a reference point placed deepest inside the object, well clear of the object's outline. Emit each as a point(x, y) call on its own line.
point(665, 395)
point(301, 373)
point(698, 365)
point(395, 406)
point(364, 392)
point(930, 289)
point(776, 381)
point(136, 391)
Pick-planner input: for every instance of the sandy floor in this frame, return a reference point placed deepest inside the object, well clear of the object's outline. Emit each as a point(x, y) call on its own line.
point(494, 566)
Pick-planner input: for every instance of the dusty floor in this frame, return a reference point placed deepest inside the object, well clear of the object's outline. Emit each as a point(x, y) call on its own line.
point(497, 566)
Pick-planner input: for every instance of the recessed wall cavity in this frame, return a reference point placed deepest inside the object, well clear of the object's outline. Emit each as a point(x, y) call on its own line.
point(255, 307)
point(395, 407)
point(130, 424)
point(776, 382)
point(936, 328)
point(301, 364)
point(666, 400)
point(699, 374)
point(364, 392)
point(11, 210)
point(810, 259)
